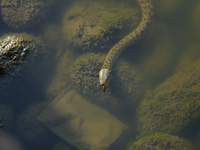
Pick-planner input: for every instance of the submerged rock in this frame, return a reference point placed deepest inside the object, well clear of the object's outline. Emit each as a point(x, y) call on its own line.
point(24, 13)
point(31, 130)
point(12, 53)
point(174, 105)
point(160, 141)
point(94, 25)
point(85, 72)
point(14, 48)
point(126, 82)
point(20, 55)
point(84, 78)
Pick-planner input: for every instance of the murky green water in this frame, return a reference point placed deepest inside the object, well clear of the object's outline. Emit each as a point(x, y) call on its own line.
point(161, 68)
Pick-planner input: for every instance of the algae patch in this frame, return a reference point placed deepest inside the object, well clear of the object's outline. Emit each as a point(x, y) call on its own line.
point(93, 25)
point(174, 104)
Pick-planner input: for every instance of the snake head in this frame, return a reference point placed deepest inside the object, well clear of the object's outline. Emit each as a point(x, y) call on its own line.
point(104, 78)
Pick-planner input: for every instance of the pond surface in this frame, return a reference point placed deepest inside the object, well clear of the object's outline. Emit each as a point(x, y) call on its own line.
point(163, 64)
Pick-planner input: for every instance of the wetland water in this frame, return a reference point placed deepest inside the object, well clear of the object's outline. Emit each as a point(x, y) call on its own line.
point(154, 87)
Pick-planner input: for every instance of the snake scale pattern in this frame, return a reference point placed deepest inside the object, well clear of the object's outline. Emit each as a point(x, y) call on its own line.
point(131, 38)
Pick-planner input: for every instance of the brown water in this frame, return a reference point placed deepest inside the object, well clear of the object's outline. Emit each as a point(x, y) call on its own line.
point(171, 44)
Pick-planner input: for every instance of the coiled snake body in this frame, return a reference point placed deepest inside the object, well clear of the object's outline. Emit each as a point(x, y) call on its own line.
point(147, 14)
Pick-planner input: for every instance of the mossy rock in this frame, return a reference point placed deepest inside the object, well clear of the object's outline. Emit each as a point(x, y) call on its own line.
point(84, 77)
point(21, 55)
point(160, 141)
point(174, 105)
point(93, 25)
point(126, 82)
point(24, 13)
point(18, 49)
point(31, 130)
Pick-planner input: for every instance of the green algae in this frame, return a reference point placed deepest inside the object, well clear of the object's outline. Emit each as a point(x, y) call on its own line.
point(25, 13)
point(85, 74)
point(160, 141)
point(126, 82)
point(173, 105)
point(129, 83)
point(92, 25)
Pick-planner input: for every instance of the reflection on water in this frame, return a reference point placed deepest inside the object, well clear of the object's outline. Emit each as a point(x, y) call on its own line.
point(155, 82)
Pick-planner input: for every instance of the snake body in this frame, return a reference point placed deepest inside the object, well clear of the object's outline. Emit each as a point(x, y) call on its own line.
point(131, 38)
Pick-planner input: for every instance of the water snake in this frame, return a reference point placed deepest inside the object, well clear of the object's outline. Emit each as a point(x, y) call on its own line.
point(131, 38)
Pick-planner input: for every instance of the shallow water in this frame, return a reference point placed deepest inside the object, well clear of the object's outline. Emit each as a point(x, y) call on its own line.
point(171, 44)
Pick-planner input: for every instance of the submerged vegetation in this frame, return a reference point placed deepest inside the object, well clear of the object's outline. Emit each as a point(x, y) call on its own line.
point(160, 141)
point(174, 104)
point(127, 82)
point(93, 25)
point(24, 13)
